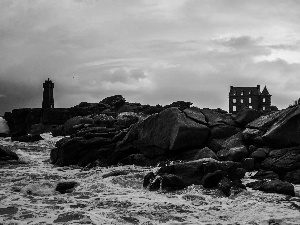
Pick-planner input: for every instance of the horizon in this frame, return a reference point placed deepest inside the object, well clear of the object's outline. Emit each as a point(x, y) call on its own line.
point(150, 52)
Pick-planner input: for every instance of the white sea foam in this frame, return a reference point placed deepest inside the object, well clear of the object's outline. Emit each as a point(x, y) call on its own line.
point(121, 199)
point(3, 126)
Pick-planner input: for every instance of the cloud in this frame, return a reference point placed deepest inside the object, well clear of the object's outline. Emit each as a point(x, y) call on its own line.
point(150, 51)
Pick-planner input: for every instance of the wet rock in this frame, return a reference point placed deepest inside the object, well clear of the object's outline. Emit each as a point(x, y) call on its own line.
point(66, 187)
point(58, 131)
point(166, 182)
point(211, 180)
point(273, 186)
point(292, 176)
point(224, 186)
point(206, 153)
point(194, 171)
point(264, 174)
point(236, 140)
point(7, 154)
point(79, 151)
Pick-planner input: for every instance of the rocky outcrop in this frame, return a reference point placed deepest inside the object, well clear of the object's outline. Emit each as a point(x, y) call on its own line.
point(207, 172)
point(7, 154)
point(170, 130)
point(273, 186)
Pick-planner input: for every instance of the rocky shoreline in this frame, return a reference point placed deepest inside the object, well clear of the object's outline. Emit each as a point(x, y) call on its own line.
point(192, 146)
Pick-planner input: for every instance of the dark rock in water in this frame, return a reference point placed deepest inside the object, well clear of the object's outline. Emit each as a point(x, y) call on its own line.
point(282, 160)
point(66, 187)
point(148, 178)
point(139, 160)
point(205, 153)
point(27, 138)
point(273, 186)
point(211, 180)
point(19, 133)
point(263, 174)
point(166, 182)
point(224, 186)
point(7, 154)
point(293, 176)
point(194, 171)
point(170, 130)
point(79, 151)
point(58, 131)
point(246, 116)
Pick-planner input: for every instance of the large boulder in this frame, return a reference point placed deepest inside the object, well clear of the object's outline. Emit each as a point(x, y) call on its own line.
point(273, 186)
point(280, 129)
point(7, 154)
point(282, 160)
point(292, 176)
point(193, 172)
point(79, 151)
point(206, 153)
point(168, 131)
point(246, 116)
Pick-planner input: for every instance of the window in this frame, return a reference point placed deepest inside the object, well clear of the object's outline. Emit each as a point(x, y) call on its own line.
point(264, 108)
point(242, 100)
point(234, 93)
point(250, 106)
point(250, 100)
point(234, 108)
point(250, 92)
point(242, 92)
point(234, 100)
point(264, 99)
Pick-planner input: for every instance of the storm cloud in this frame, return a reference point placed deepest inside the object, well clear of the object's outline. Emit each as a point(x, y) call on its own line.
point(154, 52)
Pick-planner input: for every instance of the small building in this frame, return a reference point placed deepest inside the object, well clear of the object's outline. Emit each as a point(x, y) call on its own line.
point(48, 99)
point(249, 97)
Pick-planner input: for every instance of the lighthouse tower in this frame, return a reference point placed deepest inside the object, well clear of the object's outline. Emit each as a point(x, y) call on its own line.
point(48, 100)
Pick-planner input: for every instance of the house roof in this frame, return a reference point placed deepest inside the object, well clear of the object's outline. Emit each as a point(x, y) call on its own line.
point(265, 91)
point(246, 90)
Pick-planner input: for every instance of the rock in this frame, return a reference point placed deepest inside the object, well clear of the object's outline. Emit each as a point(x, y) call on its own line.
point(211, 180)
point(66, 187)
point(7, 154)
point(126, 119)
point(27, 138)
point(280, 128)
point(166, 182)
point(251, 134)
point(139, 160)
point(264, 174)
point(58, 131)
point(37, 129)
point(195, 114)
point(79, 151)
point(104, 120)
point(215, 118)
point(115, 101)
point(193, 172)
point(292, 176)
point(181, 105)
point(282, 160)
point(170, 130)
point(245, 116)
point(236, 140)
point(69, 124)
point(223, 131)
point(205, 153)
point(248, 164)
point(224, 186)
point(259, 155)
point(237, 154)
point(274, 186)
point(148, 178)
point(55, 116)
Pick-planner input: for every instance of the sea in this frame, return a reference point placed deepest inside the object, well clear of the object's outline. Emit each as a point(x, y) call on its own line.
point(103, 196)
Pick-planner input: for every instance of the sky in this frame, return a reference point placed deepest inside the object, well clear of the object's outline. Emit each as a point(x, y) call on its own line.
point(149, 51)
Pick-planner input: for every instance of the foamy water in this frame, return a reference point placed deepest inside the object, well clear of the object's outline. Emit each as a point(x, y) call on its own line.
point(121, 199)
